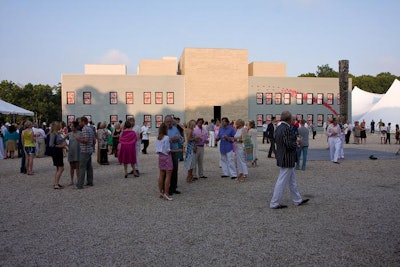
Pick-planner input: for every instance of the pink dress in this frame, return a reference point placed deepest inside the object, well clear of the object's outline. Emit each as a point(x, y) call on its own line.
point(127, 150)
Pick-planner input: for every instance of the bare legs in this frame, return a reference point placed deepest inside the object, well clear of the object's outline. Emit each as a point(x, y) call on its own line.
point(164, 181)
point(57, 176)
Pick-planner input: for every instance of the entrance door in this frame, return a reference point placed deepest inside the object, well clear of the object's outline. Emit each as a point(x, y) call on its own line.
point(217, 113)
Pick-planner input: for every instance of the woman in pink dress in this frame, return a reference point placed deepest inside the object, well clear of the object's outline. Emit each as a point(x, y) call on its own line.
point(127, 150)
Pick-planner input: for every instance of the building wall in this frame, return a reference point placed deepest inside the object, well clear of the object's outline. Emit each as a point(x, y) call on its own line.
point(215, 77)
point(100, 87)
point(105, 69)
point(260, 109)
point(267, 69)
point(165, 66)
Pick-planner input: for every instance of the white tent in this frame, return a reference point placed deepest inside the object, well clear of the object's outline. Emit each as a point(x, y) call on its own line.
point(8, 108)
point(362, 102)
point(388, 107)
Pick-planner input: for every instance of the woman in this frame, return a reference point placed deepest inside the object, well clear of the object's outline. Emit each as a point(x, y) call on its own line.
point(110, 129)
point(102, 137)
point(163, 149)
point(190, 158)
point(239, 138)
point(73, 152)
point(397, 134)
point(11, 138)
point(115, 136)
point(363, 133)
point(127, 149)
point(57, 144)
point(28, 143)
point(253, 134)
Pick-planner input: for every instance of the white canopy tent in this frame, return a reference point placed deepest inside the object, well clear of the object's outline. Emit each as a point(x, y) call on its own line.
point(8, 108)
point(387, 108)
point(362, 101)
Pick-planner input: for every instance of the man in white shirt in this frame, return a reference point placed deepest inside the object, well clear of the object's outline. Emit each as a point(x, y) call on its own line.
point(145, 136)
point(40, 140)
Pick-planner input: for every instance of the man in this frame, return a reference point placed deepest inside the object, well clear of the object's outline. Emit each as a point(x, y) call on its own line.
point(348, 129)
point(334, 133)
point(303, 148)
point(211, 134)
point(264, 128)
point(145, 136)
point(226, 134)
point(201, 138)
point(40, 140)
point(286, 158)
point(87, 142)
point(372, 127)
point(271, 136)
point(175, 139)
point(21, 147)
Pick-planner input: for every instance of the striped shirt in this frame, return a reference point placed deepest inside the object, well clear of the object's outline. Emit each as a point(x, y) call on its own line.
point(88, 134)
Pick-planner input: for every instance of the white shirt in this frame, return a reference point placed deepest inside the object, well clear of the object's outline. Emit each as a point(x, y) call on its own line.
point(145, 132)
point(163, 146)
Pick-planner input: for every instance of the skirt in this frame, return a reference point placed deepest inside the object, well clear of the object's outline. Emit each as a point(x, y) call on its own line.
point(11, 145)
point(58, 157)
point(165, 162)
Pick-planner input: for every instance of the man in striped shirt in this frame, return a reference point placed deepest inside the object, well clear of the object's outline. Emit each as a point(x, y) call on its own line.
point(87, 142)
point(286, 155)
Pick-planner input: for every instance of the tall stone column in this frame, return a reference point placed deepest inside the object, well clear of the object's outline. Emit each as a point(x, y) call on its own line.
point(344, 89)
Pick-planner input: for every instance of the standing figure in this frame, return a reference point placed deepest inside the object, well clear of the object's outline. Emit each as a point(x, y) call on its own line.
point(87, 141)
point(302, 149)
point(372, 126)
point(271, 137)
point(11, 137)
point(102, 137)
point(211, 134)
point(190, 156)
point(252, 133)
point(145, 131)
point(28, 143)
point(286, 146)
point(163, 149)
point(136, 129)
point(201, 138)
point(57, 144)
point(397, 134)
point(264, 129)
point(334, 133)
point(175, 140)
point(225, 135)
point(239, 139)
point(388, 129)
point(74, 151)
point(127, 151)
point(115, 136)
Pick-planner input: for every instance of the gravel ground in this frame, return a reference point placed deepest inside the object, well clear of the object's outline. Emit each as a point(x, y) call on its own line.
point(352, 218)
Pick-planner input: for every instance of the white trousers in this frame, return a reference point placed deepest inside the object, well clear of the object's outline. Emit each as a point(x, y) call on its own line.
point(138, 146)
point(241, 160)
point(228, 164)
point(211, 138)
point(334, 148)
point(199, 156)
point(286, 178)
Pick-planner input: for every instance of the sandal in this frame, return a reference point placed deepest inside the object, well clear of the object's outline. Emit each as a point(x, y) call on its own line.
point(242, 179)
point(60, 186)
point(56, 187)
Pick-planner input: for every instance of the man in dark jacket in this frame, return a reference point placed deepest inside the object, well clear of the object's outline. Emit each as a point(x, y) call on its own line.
point(271, 137)
point(286, 145)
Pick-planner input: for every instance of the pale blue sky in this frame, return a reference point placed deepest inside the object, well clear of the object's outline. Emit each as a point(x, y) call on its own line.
point(40, 39)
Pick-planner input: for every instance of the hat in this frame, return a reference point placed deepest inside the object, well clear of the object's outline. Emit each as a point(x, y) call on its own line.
point(44, 124)
point(8, 124)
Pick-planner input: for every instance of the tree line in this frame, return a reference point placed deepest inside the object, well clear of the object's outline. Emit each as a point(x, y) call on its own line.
point(45, 100)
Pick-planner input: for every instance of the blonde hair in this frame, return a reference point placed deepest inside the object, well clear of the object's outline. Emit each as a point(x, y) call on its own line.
point(191, 124)
point(27, 124)
point(55, 126)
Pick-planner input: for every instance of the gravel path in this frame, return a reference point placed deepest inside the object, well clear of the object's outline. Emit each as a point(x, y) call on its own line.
point(352, 218)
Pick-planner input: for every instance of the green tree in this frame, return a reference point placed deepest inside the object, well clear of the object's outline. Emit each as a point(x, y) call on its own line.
point(326, 71)
point(310, 74)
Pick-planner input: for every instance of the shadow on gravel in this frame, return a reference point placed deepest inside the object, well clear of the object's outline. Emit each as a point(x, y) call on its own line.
point(351, 154)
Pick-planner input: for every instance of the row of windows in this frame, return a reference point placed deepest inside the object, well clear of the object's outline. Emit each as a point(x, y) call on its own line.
point(115, 118)
point(307, 97)
point(309, 118)
point(129, 98)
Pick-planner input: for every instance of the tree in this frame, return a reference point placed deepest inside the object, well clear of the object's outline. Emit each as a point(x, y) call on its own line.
point(310, 74)
point(326, 71)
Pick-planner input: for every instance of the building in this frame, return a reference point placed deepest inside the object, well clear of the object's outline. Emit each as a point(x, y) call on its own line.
point(207, 83)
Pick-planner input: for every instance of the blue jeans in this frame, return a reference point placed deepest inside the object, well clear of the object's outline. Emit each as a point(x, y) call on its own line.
point(302, 150)
point(85, 166)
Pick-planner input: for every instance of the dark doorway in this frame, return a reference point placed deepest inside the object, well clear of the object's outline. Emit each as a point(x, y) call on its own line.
point(217, 113)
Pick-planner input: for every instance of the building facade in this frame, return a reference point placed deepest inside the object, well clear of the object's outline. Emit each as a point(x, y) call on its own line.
point(207, 83)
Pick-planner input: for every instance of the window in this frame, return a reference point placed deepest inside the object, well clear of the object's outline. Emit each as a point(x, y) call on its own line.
point(70, 98)
point(329, 117)
point(170, 97)
point(278, 98)
point(87, 98)
point(286, 98)
point(310, 99)
point(320, 99)
point(259, 121)
point(299, 99)
point(147, 118)
point(159, 120)
point(299, 117)
point(329, 99)
point(129, 97)
point(268, 118)
point(320, 120)
point(259, 98)
point(129, 116)
point(268, 98)
point(310, 119)
point(70, 118)
point(113, 98)
point(113, 118)
point(159, 97)
point(278, 117)
point(338, 99)
point(147, 97)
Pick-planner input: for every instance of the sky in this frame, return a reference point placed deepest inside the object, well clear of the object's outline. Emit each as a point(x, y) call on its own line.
point(41, 40)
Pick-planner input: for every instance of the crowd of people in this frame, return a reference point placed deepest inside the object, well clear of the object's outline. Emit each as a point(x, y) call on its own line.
point(237, 142)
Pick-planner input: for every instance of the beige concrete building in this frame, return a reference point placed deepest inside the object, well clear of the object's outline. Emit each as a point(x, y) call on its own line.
point(205, 82)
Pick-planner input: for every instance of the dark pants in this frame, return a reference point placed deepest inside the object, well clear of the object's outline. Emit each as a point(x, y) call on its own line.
point(264, 137)
point(174, 175)
point(387, 138)
point(347, 137)
point(103, 156)
point(23, 166)
point(145, 145)
point(272, 147)
point(314, 133)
